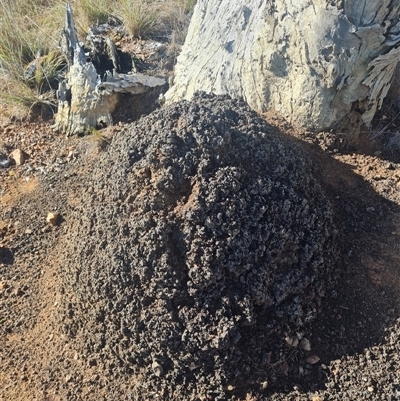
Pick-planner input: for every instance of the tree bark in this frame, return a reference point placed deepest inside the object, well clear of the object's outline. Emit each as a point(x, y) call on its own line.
point(318, 63)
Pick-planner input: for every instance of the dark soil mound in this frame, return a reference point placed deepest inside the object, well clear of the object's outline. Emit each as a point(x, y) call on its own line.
point(201, 241)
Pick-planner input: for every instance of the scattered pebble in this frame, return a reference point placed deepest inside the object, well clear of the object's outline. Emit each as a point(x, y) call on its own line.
point(53, 218)
point(364, 384)
point(305, 344)
point(46, 229)
point(313, 359)
point(3, 285)
point(157, 368)
point(291, 341)
point(5, 162)
point(18, 292)
point(18, 156)
point(316, 398)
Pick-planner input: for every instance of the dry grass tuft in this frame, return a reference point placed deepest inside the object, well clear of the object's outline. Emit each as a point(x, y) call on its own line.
point(30, 30)
point(28, 68)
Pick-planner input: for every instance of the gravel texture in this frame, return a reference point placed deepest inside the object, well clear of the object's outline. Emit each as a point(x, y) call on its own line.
point(85, 313)
point(200, 238)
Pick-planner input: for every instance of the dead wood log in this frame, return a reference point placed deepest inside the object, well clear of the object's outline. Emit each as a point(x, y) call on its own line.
point(85, 99)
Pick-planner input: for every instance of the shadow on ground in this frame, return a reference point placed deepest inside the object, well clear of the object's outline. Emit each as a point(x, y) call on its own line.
point(6, 256)
point(360, 312)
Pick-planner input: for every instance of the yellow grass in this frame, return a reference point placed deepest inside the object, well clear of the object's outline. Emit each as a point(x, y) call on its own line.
point(31, 26)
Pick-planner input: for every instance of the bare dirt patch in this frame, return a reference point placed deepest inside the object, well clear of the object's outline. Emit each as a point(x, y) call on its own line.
point(355, 334)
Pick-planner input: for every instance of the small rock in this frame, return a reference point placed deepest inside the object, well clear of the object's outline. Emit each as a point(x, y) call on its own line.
point(53, 219)
point(157, 368)
point(313, 359)
point(316, 398)
point(305, 344)
point(370, 389)
point(4, 161)
point(18, 156)
point(68, 378)
point(46, 229)
point(288, 341)
point(18, 292)
point(3, 285)
point(291, 341)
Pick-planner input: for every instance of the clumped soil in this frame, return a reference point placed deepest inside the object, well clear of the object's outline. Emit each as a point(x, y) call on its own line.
point(202, 254)
point(200, 238)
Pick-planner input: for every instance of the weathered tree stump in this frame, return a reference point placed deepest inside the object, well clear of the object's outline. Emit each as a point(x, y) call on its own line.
point(85, 99)
point(318, 62)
